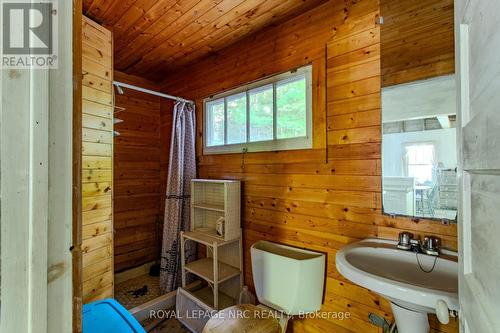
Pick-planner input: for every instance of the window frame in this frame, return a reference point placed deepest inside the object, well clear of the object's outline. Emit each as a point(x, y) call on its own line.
point(275, 144)
point(417, 144)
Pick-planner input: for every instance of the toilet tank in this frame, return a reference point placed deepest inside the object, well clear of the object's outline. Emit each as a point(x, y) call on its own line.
point(287, 278)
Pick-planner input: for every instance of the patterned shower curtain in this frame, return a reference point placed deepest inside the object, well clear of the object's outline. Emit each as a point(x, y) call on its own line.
point(181, 169)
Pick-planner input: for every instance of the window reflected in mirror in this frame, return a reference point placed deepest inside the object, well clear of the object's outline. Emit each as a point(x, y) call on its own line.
point(419, 148)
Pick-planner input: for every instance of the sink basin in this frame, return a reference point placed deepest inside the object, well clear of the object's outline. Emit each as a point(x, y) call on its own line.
point(395, 274)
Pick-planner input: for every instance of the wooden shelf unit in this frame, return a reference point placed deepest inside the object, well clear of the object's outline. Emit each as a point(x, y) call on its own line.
point(212, 207)
point(206, 296)
point(204, 268)
point(213, 199)
point(222, 269)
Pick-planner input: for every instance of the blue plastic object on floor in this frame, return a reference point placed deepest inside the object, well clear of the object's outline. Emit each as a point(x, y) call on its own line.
point(109, 316)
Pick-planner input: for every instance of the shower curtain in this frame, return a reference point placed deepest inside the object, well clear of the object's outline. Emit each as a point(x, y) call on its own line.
point(181, 169)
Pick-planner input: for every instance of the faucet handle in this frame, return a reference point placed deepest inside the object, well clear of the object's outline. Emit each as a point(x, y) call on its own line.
point(431, 245)
point(405, 240)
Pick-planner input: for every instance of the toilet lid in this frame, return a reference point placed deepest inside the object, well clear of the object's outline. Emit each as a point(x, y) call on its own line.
point(242, 318)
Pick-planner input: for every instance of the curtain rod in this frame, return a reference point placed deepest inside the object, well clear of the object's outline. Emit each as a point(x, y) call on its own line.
point(152, 92)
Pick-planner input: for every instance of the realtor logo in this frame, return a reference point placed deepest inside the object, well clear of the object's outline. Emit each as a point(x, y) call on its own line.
point(29, 38)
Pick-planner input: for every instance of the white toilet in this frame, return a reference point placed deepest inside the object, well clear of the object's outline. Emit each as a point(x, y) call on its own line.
point(286, 278)
point(288, 281)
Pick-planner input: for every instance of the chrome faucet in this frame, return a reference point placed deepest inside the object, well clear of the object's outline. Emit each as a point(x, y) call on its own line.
point(405, 241)
point(429, 246)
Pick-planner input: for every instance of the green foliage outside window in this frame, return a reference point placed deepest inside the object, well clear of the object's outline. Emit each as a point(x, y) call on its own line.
point(290, 97)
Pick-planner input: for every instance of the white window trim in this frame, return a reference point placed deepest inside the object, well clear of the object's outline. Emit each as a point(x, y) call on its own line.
point(419, 143)
point(268, 145)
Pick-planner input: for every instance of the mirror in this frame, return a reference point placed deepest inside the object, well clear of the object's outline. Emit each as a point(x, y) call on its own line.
point(419, 149)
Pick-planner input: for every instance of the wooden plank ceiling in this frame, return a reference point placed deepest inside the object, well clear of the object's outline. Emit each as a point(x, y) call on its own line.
point(153, 38)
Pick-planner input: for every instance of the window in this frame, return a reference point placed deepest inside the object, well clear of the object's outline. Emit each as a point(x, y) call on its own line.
point(420, 162)
point(270, 114)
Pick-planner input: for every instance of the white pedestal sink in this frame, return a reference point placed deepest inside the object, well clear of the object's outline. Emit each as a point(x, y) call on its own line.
point(378, 265)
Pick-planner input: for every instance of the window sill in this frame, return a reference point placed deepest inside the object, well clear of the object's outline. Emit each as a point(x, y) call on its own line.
point(263, 146)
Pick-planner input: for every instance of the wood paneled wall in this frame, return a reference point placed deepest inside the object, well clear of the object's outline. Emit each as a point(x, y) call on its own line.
point(137, 179)
point(97, 162)
point(417, 40)
point(303, 198)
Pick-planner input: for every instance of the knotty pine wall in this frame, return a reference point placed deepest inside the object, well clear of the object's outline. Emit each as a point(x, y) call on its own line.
point(137, 179)
point(417, 40)
point(329, 196)
point(140, 160)
point(97, 161)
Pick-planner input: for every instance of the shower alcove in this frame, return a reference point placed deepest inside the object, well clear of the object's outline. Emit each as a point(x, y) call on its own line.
point(125, 150)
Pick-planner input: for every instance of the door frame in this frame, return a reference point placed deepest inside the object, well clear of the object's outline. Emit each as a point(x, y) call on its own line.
point(36, 189)
point(77, 168)
point(476, 310)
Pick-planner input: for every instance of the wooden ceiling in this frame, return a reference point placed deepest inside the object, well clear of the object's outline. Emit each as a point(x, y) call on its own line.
point(153, 38)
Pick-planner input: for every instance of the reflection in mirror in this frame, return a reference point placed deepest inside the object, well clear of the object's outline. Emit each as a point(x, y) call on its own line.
point(419, 148)
point(419, 154)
